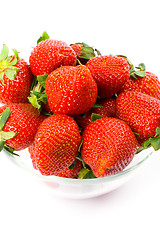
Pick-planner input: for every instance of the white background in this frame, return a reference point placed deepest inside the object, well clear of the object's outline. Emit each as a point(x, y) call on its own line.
point(27, 209)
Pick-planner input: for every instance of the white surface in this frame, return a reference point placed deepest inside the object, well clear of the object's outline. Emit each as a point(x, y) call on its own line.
point(27, 209)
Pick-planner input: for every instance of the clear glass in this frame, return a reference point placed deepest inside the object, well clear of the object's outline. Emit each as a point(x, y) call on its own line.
point(83, 188)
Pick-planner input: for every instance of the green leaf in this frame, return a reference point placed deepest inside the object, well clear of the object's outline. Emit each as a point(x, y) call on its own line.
point(15, 53)
point(146, 143)
point(7, 135)
point(42, 79)
point(4, 117)
point(14, 61)
point(87, 53)
point(46, 113)
point(132, 74)
point(89, 175)
point(42, 97)
point(1, 77)
point(44, 37)
point(98, 52)
point(2, 143)
point(129, 62)
point(86, 173)
point(79, 149)
point(140, 73)
point(84, 164)
point(96, 105)
point(83, 172)
point(4, 52)
point(157, 131)
point(95, 116)
point(140, 149)
point(72, 166)
point(84, 44)
point(79, 62)
point(34, 101)
point(34, 83)
point(38, 94)
point(10, 150)
point(141, 66)
point(11, 73)
point(137, 134)
point(155, 142)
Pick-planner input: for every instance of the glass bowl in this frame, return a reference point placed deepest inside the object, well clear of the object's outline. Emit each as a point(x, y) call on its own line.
point(83, 188)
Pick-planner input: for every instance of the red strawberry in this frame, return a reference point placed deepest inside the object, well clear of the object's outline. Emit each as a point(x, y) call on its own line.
point(49, 55)
point(15, 78)
point(71, 90)
point(149, 84)
point(31, 150)
point(140, 111)
point(71, 173)
point(18, 125)
point(110, 73)
point(107, 108)
point(56, 144)
point(108, 146)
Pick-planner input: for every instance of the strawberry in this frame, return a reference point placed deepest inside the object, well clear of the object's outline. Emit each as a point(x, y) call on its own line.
point(104, 107)
point(18, 125)
point(31, 150)
point(108, 147)
point(15, 78)
point(149, 84)
point(141, 112)
point(56, 144)
point(110, 73)
point(50, 54)
point(71, 90)
point(71, 172)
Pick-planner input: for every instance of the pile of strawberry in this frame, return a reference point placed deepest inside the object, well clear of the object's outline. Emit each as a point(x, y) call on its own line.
point(79, 113)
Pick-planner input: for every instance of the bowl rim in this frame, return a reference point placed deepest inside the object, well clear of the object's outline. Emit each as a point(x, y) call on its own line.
point(57, 179)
